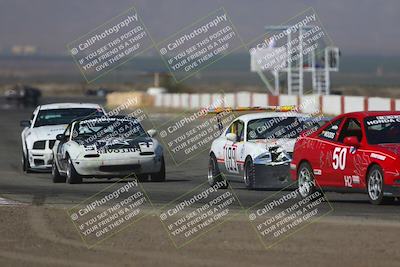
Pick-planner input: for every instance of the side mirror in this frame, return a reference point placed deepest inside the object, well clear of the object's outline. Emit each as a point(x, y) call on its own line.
point(231, 137)
point(152, 132)
point(25, 123)
point(61, 137)
point(351, 141)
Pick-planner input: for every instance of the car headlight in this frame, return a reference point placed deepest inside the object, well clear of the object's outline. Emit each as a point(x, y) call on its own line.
point(278, 154)
point(263, 158)
point(39, 144)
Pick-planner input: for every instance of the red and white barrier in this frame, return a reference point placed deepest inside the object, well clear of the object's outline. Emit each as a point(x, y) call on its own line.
point(354, 103)
point(310, 104)
point(243, 99)
point(230, 100)
point(327, 104)
point(259, 100)
point(288, 100)
point(379, 103)
point(331, 104)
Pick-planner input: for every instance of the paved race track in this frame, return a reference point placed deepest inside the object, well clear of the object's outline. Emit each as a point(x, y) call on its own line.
point(38, 189)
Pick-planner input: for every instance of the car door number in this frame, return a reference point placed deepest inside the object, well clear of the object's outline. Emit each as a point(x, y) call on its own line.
point(230, 159)
point(339, 158)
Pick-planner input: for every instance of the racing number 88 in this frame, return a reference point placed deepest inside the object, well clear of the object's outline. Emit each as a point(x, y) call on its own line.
point(339, 158)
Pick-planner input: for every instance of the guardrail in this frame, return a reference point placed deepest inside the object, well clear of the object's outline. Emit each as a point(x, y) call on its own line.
point(328, 104)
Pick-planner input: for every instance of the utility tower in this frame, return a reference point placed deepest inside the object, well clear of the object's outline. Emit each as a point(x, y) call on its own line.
point(296, 57)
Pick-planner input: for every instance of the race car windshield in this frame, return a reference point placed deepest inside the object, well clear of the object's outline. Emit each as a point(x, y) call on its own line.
point(382, 129)
point(64, 116)
point(279, 127)
point(107, 129)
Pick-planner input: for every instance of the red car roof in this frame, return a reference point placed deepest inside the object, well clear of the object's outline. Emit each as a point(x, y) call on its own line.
point(363, 114)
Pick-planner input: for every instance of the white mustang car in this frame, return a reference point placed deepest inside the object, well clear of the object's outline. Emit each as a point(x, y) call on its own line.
point(107, 147)
point(39, 133)
point(256, 148)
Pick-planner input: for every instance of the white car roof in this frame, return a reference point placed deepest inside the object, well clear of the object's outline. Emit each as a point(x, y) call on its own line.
point(69, 105)
point(254, 116)
point(108, 119)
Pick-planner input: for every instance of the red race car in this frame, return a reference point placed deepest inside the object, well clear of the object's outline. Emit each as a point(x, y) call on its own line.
point(354, 152)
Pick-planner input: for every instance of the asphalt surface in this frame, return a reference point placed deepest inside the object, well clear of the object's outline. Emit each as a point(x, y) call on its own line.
point(38, 189)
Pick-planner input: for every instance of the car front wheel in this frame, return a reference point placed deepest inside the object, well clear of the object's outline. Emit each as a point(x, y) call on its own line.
point(375, 184)
point(159, 176)
point(305, 180)
point(214, 175)
point(57, 177)
point(72, 176)
point(249, 174)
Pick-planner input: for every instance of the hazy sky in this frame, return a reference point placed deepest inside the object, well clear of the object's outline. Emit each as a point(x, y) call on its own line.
point(356, 26)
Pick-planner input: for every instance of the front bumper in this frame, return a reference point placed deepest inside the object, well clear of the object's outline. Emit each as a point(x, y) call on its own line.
point(103, 167)
point(391, 191)
point(273, 176)
point(40, 159)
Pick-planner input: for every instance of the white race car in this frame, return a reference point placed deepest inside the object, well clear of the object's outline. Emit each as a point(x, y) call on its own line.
point(256, 148)
point(39, 133)
point(107, 147)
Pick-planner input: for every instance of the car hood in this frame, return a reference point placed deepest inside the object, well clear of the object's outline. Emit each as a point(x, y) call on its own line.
point(287, 144)
point(115, 143)
point(47, 132)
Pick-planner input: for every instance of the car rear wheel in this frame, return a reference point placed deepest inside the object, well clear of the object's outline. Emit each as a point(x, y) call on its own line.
point(214, 175)
point(72, 176)
point(305, 180)
point(375, 184)
point(249, 174)
point(57, 177)
point(159, 176)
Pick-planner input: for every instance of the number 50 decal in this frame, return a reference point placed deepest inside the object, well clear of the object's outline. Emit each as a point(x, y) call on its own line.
point(339, 158)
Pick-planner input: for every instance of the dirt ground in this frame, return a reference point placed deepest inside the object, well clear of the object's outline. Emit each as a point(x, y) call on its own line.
point(43, 236)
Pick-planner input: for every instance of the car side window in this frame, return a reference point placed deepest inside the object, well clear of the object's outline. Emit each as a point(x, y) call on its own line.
point(331, 130)
point(240, 131)
point(351, 127)
point(237, 128)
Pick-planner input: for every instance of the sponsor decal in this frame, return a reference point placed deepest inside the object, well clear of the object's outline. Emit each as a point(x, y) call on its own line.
point(119, 150)
point(329, 135)
point(356, 179)
point(382, 119)
point(292, 166)
point(377, 156)
point(317, 171)
point(349, 180)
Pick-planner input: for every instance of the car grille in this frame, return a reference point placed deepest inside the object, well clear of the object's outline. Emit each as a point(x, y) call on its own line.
point(39, 144)
point(146, 153)
point(38, 162)
point(51, 143)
